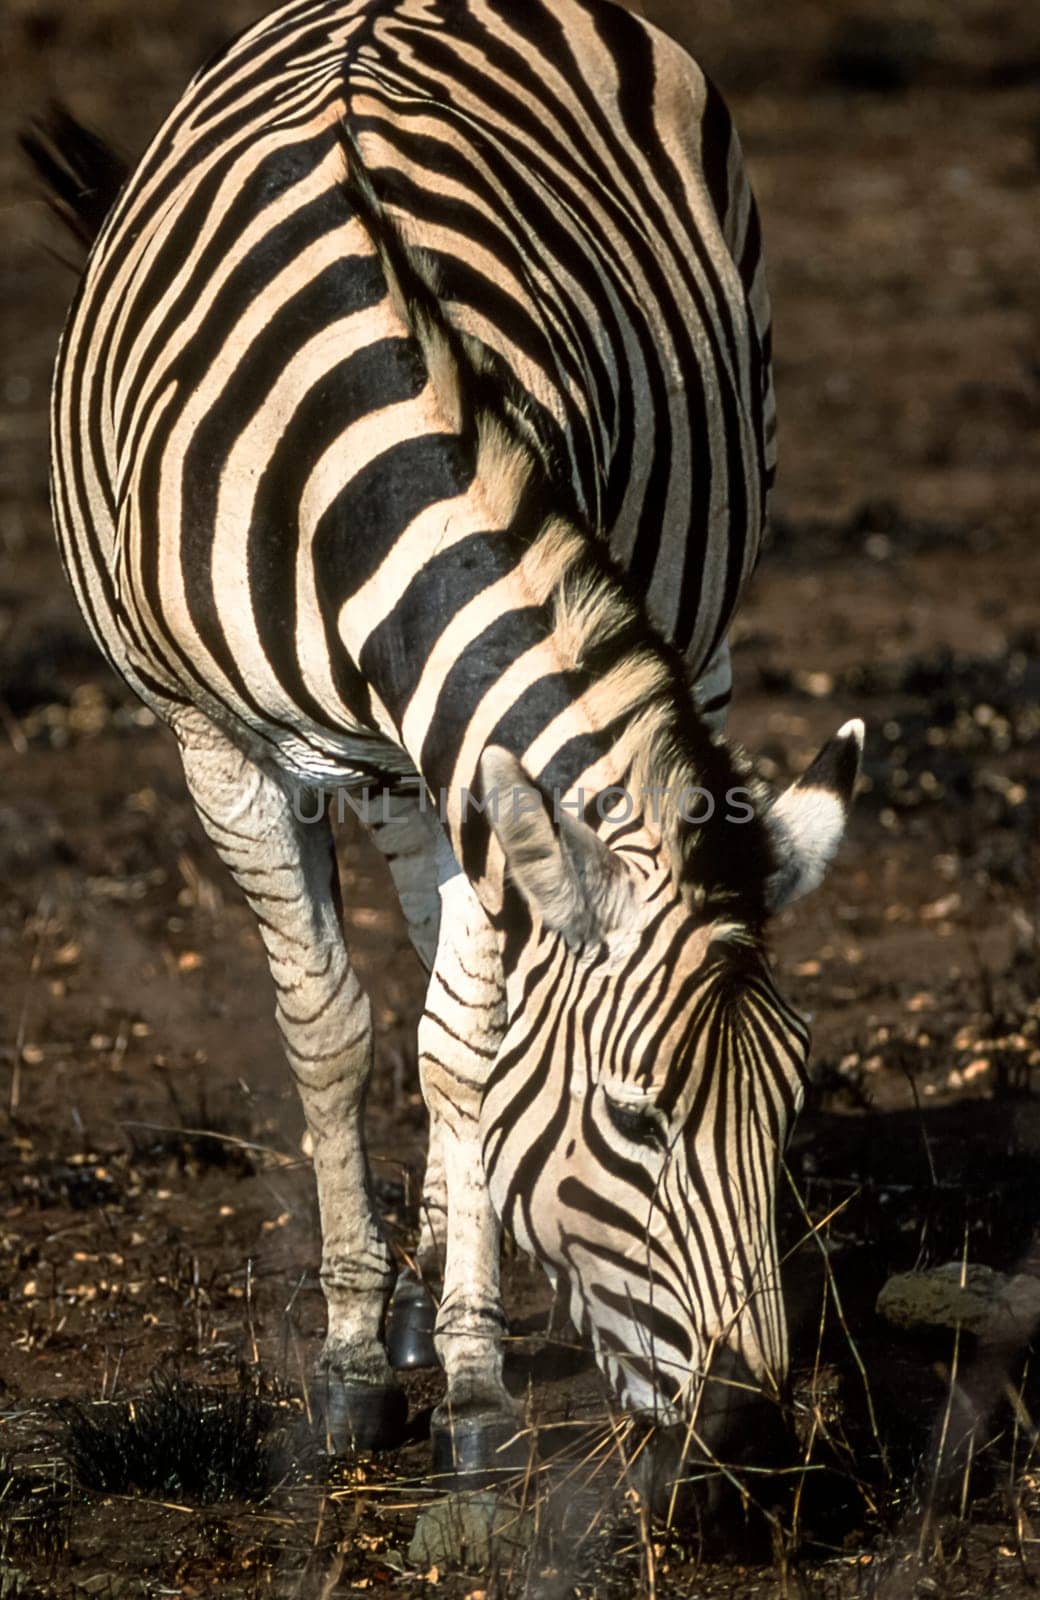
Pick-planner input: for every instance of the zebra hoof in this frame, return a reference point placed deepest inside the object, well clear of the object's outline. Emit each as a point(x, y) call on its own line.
point(409, 1325)
point(361, 1416)
point(478, 1452)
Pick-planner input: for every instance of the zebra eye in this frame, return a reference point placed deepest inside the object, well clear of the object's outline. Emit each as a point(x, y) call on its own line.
point(641, 1124)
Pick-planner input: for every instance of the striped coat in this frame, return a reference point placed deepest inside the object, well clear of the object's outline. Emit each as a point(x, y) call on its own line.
point(606, 259)
point(413, 431)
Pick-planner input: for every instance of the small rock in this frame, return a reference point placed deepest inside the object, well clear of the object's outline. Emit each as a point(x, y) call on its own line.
point(14, 1583)
point(110, 1586)
point(975, 1298)
point(469, 1531)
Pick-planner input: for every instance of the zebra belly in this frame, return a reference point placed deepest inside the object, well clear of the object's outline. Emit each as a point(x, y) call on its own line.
point(316, 754)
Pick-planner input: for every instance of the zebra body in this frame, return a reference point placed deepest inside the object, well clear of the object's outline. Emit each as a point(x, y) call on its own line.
point(606, 336)
point(413, 431)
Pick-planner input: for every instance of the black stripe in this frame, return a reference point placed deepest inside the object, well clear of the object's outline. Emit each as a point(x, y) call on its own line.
point(657, 1324)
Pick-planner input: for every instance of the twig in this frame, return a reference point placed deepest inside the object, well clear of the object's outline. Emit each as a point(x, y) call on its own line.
point(254, 1351)
point(839, 1308)
point(42, 912)
point(278, 1157)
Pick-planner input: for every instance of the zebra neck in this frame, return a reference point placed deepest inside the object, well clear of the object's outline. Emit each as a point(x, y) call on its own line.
point(495, 621)
point(509, 624)
point(516, 633)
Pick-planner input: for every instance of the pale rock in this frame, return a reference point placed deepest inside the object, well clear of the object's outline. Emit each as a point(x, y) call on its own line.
point(975, 1298)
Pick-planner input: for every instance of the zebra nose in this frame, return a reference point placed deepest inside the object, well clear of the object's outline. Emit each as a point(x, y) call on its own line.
point(696, 1471)
point(736, 1421)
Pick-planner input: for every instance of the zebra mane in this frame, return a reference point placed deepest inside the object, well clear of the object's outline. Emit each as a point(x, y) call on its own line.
point(637, 681)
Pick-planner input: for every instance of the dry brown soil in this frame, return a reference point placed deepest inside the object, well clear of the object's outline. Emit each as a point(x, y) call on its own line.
point(896, 154)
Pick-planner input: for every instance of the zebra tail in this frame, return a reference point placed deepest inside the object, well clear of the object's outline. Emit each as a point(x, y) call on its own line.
point(80, 174)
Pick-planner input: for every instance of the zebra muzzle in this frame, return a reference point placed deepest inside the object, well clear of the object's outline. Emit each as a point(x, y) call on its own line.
point(696, 1472)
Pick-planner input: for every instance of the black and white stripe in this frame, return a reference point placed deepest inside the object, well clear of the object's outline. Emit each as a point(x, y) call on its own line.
point(413, 430)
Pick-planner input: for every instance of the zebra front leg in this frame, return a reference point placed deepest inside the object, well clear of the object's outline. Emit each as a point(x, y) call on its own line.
point(459, 1037)
point(287, 870)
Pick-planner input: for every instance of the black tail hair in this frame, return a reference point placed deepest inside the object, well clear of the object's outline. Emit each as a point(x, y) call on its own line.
point(81, 174)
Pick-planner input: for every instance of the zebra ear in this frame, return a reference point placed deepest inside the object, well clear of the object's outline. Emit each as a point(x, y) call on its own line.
point(808, 820)
point(562, 868)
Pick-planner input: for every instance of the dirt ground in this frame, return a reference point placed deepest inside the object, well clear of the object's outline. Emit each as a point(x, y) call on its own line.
point(156, 1211)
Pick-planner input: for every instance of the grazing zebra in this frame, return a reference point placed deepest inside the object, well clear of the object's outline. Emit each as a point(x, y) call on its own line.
point(412, 434)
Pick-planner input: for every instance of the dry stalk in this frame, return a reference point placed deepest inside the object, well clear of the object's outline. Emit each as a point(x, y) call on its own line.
point(254, 1349)
point(278, 1158)
point(846, 1330)
point(43, 908)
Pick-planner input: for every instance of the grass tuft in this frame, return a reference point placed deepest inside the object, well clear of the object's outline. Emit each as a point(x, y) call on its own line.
point(34, 1504)
point(179, 1441)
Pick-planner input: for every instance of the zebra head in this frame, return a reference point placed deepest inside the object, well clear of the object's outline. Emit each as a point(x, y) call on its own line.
point(635, 1121)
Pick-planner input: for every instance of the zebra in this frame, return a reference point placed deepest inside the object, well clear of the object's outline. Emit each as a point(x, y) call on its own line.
point(412, 437)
